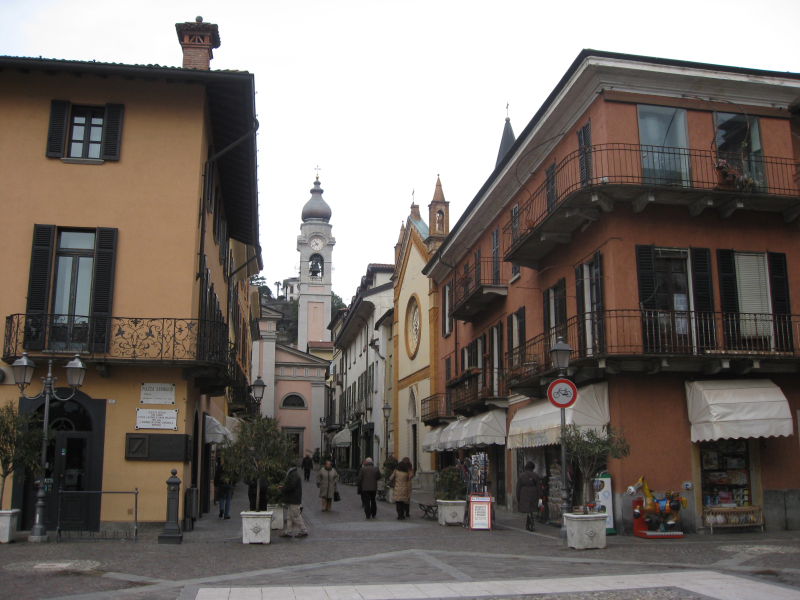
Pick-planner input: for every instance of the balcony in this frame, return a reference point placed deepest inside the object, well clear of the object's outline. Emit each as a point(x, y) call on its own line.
point(589, 181)
point(436, 409)
point(653, 341)
point(121, 340)
point(478, 287)
point(475, 389)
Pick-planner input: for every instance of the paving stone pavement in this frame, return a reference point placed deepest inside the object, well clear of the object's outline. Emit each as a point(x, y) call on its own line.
point(344, 549)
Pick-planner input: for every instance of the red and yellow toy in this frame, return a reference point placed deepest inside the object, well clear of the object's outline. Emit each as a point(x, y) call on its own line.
point(656, 517)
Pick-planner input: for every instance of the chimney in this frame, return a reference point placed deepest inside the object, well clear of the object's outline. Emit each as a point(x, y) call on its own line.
point(197, 40)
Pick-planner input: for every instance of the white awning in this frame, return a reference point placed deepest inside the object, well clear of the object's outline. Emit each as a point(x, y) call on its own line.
point(342, 438)
point(216, 432)
point(539, 424)
point(431, 441)
point(451, 436)
point(484, 429)
point(737, 408)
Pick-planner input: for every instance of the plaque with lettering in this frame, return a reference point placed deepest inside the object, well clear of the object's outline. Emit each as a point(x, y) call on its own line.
point(154, 418)
point(157, 393)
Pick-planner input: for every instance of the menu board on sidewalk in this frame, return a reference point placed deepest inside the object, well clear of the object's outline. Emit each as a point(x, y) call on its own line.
point(480, 511)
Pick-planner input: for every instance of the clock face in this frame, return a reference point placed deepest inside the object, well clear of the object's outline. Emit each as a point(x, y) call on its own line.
point(316, 244)
point(413, 327)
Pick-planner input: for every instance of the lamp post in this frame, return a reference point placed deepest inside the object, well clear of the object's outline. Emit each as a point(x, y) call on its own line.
point(387, 410)
point(559, 357)
point(257, 391)
point(322, 425)
point(22, 369)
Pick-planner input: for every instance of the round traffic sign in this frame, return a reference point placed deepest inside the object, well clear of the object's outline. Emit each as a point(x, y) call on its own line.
point(562, 393)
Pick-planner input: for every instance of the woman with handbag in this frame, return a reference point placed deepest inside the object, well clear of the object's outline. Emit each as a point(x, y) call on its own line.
point(327, 478)
point(400, 480)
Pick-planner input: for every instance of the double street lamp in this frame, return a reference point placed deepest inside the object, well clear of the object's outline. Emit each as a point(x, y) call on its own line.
point(559, 358)
point(23, 369)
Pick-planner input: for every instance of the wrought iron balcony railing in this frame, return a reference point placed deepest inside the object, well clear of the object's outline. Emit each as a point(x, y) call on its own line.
point(119, 339)
point(651, 167)
point(436, 407)
point(662, 333)
point(478, 285)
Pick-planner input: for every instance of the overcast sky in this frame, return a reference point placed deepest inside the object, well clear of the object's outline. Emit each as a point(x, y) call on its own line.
point(384, 95)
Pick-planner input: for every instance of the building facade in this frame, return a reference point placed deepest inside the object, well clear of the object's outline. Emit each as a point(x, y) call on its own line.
point(143, 277)
point(656, 234)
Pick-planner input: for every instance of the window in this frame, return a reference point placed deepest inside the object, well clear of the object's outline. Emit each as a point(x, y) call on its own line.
point(589, 296)
point(555, 312)
point(739, 148)
point(550, 183)
point(84, 132)
point(662, 134)
point(496, 256)
point(516, 336)
point(585, 153)
point(293, 401)
point(447, 301)
point(79, 264)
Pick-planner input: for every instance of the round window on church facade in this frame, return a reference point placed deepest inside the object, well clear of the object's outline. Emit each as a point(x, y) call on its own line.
point(413, 328)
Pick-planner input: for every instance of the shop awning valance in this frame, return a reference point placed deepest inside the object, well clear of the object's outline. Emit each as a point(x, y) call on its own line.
point(737, 408)
point(484, 429)
point(342, 439)
point(216, 432)
point(431, 441)
point(539, 424)
point(451, 436)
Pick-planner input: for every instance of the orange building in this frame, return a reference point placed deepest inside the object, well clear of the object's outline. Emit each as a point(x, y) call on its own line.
point(648, 215)
point(137, 185)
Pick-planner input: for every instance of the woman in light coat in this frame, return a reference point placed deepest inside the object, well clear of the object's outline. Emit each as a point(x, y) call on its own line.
point(327, 478)
point(400, 480)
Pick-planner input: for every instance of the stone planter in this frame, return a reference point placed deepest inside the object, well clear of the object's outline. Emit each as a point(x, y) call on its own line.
point(277, 515)
point(8, 524)
point(585, 531)
point(451, 512)
point(256, 527)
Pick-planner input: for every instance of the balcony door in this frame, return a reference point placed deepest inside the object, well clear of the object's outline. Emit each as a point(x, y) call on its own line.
point(662, 134)
point(589, 295)
point(69, 326)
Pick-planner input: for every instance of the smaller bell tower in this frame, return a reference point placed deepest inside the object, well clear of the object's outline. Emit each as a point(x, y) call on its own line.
point(438, 217)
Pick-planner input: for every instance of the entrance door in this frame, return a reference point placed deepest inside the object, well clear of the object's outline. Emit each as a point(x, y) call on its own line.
point(70, 475)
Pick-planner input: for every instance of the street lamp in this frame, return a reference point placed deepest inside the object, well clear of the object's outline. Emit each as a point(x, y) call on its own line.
point(387, 410)
point(22, 369)
point(257, 390)
point(559, 357)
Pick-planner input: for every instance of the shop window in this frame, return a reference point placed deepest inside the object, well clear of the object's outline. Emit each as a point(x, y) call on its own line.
point(725, 468)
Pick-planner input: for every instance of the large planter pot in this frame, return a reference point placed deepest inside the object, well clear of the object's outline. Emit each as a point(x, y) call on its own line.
point(277, 515)
point(451, 512)
point(8, 524)
point(256, 526)
point(585, 531)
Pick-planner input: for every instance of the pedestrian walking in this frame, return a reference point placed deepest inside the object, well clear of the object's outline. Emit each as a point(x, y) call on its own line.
point(307, 465)
point(400, 480)
point(367, 485)
point(411, 473)
point(223, 481)
point(327, 478)
point(292, 497)
point(528, 494)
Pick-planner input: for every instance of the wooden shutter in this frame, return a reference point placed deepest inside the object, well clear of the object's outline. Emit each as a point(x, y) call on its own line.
point(112, 131)
point(585, 155)
point(499, 328)
point(103, 287)
point(728, 288)
point(44, 237)
point(645, 267)
point(597, 297)
point(510, 333)
point(581, 308)
point(521, 325)
point(781, 308)
point(703, 297)
point(57, 131)
point(560, 304)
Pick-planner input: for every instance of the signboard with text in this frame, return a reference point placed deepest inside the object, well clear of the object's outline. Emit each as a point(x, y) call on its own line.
point(480, 511)
point(153, 418)
point(157, 393)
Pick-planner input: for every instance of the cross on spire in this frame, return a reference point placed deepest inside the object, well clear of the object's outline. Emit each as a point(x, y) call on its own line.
point(317, 169)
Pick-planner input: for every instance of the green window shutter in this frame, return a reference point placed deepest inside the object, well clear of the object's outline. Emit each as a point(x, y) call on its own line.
point(645, 267)
point(44, 237)
point(728, 288)
point(781, 308)
point(103, 287)
point(57, 131)
point(112, 131)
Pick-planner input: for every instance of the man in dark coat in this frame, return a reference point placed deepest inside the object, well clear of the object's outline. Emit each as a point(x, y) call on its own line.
point(367, 485)
point(528, 494)
point(307, 465)
point(292, 496)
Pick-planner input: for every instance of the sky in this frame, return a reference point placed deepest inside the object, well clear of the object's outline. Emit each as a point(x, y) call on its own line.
point(384, 95)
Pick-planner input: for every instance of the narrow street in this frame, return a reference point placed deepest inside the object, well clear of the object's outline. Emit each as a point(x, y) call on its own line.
point(414, 558)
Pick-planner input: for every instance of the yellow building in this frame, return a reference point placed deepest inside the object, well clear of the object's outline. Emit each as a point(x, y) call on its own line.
point(415, 334)
point(129, 231)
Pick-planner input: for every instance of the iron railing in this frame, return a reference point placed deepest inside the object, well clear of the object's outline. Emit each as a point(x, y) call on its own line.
point(652, 167)
point(637, 332)
point(436, 407)
point(485, 272)
point(118, 338)
point(464, 395)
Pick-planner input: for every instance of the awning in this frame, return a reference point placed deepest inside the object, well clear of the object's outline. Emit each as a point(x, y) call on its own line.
point(484, 429)
point(539, 424)
point(431, 441)
point(342, 438)
point(451, 436)
point(216, 432)
point(737, 408)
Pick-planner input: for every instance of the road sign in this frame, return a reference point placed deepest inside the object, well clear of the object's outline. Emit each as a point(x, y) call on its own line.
point(562, 393)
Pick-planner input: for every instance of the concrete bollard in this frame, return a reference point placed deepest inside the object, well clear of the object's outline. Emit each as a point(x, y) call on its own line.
point(172, 528)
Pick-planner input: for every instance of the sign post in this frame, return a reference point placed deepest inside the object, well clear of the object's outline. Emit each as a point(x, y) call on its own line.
point(563, 394)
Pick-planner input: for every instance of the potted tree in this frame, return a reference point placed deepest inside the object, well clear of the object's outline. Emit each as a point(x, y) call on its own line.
point(260, 453)
point(19, 450)
point(590, 450)
point(450, 491)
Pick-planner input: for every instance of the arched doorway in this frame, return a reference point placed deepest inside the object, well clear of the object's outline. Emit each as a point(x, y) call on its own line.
point(74, 463)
